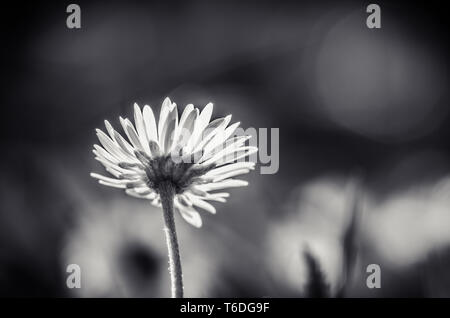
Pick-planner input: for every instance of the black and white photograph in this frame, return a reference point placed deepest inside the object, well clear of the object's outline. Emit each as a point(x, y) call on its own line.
point(225, 150)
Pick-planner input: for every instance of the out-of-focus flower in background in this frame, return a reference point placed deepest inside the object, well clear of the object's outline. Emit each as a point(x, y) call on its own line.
point(408, 225)
point(120, 255)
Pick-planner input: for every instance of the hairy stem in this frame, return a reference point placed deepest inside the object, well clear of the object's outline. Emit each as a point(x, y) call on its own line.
point(167, 193)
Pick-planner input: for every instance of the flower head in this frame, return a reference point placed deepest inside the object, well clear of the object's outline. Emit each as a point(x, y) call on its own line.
point(194, 154)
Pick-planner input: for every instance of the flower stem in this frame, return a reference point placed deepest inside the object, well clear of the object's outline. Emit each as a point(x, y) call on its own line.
point(167, 194)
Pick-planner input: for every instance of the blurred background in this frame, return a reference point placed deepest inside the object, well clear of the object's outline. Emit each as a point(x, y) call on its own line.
point(364, 154)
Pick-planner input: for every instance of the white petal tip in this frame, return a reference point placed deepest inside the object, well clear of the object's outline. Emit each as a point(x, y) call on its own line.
point(208, 108)
point(95, 175)
point(197, 225)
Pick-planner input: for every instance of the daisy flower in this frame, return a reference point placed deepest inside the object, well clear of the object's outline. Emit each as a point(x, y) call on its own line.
point(174, 163)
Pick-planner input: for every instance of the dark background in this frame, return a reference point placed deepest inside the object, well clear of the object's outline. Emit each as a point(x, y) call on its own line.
point(363, 119)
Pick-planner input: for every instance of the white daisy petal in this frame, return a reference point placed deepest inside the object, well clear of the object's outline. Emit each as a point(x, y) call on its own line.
point(189, 123)
point(231, 167)
point(228, 183)
point(134, 194)
point(154, 148)
point(109, 145)
point(150, 123)
point(149, 195)
point(100, 151)
point(200, 124)
point(189, 214)
point(219, 196)
point(213, 132)
point(157, 202)
point(110, 129)
point(143, 189)
point(184, 199)
point(124, 145)
point(197, 201)
point(131, 133)
point(114, 172)
point(186, 125)
point(168, 131)
point(222, 200)
point(140, 128)
point(132, 175)
point(239, 154)
point(109, 164)
point(186, 112)
point(221, 138)
point(112, 185)
point(230, 152)
point(165, 108)
point(106, 163)
point(230, 144)
point(107, 179)
point(197, 191)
